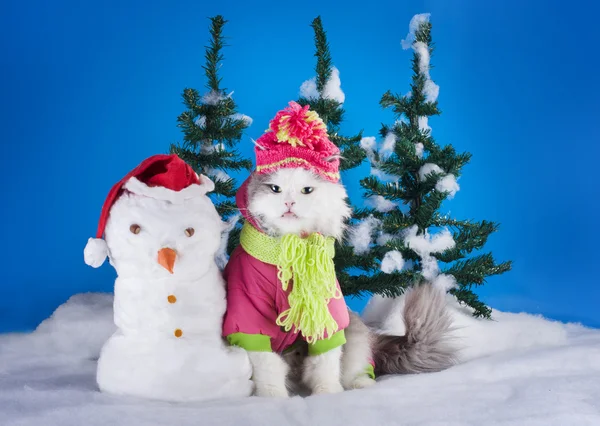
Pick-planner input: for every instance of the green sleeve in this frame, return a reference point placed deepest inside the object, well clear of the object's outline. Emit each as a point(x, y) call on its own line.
point(325, 345)
point(250, 342)
point(370, 371)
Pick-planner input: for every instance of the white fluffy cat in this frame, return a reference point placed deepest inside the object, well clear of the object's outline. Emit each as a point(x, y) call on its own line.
point(300, 202)
point(296, 201)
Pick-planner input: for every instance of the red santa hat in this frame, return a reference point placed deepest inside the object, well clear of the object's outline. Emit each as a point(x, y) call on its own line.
point(162, 177)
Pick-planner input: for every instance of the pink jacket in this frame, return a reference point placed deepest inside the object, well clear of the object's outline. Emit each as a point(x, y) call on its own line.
point(255, 298)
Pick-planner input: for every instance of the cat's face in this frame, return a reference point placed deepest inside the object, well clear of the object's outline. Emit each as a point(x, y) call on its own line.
point(296, 201)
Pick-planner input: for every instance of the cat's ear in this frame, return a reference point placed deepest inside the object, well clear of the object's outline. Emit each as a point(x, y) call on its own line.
point(334, 157)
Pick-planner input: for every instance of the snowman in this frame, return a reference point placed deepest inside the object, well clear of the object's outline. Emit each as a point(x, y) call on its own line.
point(161, 233)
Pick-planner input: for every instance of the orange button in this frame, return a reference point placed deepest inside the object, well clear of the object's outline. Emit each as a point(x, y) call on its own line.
point(172, 299)
point(178, 333)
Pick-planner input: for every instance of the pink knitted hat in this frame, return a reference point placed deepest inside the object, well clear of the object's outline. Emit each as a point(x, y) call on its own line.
point(297, 137)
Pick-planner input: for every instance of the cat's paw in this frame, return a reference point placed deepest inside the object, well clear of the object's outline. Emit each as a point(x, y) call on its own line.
point(360, 382)
point(271, 391)
point(324, 388)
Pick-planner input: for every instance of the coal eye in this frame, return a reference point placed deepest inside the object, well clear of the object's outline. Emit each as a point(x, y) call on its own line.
point(307, 189)
point(275, 189)
point(135, 229)
point(189, 232)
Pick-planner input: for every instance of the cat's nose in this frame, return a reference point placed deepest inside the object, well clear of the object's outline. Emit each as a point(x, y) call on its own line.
point(289, 204)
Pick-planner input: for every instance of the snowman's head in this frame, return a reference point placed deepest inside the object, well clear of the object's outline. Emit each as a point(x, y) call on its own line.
point(158, 238)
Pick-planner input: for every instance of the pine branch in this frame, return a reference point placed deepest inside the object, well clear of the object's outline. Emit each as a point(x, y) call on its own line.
point(352, 157)
point(226, 188)
point(389, 285)
point(213, 53)
point(471, 237)
point(226, 208)
point(466, 296)
point(390, 191)
point(323, 68)
point(234, 239)
point(473, 271)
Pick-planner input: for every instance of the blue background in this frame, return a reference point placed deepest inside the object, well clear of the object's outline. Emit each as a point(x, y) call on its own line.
point(88, 90)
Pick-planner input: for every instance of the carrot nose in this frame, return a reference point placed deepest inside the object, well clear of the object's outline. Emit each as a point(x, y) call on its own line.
point(166, 258)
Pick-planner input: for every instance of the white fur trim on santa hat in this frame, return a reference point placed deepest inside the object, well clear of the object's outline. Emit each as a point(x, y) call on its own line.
point(95, 252)
point(162, 193)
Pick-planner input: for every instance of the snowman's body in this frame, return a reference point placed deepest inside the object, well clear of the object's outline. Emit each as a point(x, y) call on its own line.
point(168, 342)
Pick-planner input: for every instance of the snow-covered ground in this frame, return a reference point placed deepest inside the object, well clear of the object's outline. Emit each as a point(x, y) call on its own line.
point(517, 370)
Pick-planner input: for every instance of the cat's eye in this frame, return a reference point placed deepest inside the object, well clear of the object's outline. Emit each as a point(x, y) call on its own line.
point(189, 232)
point(276, 189)
point(307, 189)
point(135, 228)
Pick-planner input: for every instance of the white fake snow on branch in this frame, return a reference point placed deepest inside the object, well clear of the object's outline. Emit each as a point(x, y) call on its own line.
point(360, 235)
point(332, 89)
point(392, 261)
point(424, 245)
point(380, 203)
point(447, 183)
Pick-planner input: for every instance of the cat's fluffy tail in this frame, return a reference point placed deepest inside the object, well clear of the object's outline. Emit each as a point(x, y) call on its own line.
point(426, 346)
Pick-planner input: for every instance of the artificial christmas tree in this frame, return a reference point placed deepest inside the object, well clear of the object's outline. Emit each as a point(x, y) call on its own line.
point(402, 238)
point(212, 128)
point(324, 95)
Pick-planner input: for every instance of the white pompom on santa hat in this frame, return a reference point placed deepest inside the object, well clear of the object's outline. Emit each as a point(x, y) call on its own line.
point(163, 177)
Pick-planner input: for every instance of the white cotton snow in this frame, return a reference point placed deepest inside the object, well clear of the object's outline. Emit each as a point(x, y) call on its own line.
point(218, 174)
point(332, 89)
point(448, 184)
point(517, 370)
point(423, 51)
point(429, 267)
point(213, 97)
point(431, 91)
point(208, 148)
point(427, 169)
point(200, 121)
point(383, 176)
point(78, 328)
point(413, 26)
point(383, 238)
point(380, 203)
point(369, 144)
point(428, 243)
point(445, 282)
point(424, 123)
point(419, 149)
point(360, 235)
point(243, 117)
point(388, 145)
point(392, 261)
point(424, 245)
point(308, 89)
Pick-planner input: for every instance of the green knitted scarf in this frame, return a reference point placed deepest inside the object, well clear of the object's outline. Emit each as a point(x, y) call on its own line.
point(308, 263)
